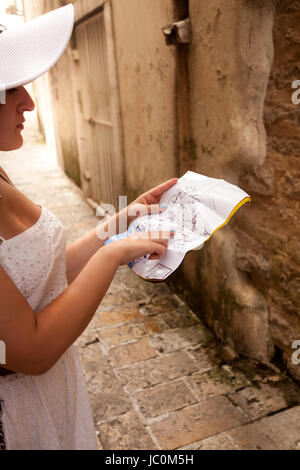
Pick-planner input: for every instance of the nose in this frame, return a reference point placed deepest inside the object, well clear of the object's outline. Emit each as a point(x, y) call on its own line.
point(26, 103)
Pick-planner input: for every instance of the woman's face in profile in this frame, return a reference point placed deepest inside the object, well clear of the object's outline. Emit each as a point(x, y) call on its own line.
point(18, 101)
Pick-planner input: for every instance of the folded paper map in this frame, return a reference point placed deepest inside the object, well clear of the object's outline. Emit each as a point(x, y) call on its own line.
point(197, 206)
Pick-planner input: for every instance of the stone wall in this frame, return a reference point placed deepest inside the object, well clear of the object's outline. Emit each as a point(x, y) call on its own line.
point(229, 61)
point(245, 283)
point(272, 260)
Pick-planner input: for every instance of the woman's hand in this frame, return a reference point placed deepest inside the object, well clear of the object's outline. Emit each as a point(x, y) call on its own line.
point(139, 244)
point(147, 203)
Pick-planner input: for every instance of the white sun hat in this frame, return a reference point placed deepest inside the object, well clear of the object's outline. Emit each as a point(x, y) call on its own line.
point(32, 48)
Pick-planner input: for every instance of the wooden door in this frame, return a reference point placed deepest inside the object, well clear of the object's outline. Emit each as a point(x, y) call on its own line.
point(100, 108)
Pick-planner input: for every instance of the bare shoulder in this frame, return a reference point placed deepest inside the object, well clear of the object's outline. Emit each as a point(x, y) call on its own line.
point(17, 211)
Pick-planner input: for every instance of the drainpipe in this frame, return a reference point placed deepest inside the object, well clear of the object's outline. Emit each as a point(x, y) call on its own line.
point(178, 35)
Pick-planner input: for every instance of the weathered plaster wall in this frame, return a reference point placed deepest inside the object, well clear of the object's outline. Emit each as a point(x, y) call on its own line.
point(41, 87)
point(146, 69)
point(229, 60)
point(62, 98)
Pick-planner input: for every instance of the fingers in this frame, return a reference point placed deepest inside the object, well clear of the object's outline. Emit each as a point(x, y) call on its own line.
point(159, 243)
point(162, 237)
point(159, 253)
point(156, 209)
point(137, 210)
point(161, 188)
point(159, 249)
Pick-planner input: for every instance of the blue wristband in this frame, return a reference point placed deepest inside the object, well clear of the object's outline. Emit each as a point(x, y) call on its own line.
point(115, 238)
point(120, 236)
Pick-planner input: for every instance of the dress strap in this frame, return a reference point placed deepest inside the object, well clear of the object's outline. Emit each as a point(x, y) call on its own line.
point(6, 179)
point(2, 240)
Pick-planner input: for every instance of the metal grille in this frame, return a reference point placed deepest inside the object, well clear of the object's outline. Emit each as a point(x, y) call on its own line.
point(97, 109)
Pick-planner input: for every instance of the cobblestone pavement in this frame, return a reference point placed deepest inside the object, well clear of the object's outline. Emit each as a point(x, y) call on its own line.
point(157, 378)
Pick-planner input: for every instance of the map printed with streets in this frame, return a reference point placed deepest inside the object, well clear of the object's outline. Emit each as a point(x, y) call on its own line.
point(197, 206)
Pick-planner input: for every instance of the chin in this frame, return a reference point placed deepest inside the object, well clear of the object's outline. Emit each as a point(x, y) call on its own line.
point(18, 144)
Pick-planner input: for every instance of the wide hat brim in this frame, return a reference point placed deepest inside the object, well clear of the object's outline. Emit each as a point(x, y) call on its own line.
point(31, 49)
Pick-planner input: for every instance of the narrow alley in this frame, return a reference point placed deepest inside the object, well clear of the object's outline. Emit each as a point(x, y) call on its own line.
point(157, 378)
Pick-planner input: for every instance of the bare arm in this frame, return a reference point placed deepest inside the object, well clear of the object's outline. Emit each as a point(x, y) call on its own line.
point(82, 250)
point(79, 252)
point(34, 343)
point(72, 311)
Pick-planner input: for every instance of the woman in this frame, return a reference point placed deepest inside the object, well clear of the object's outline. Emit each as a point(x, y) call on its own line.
point(49, 294)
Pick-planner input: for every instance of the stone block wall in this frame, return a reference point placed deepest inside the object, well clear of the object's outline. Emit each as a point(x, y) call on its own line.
point(229, 61)
point(245, 283)
point(271, 233)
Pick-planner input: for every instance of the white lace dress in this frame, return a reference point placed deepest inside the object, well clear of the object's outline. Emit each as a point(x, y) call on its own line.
point(50, 411)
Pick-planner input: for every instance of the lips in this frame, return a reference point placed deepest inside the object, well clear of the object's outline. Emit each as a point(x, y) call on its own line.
point(20, 126)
